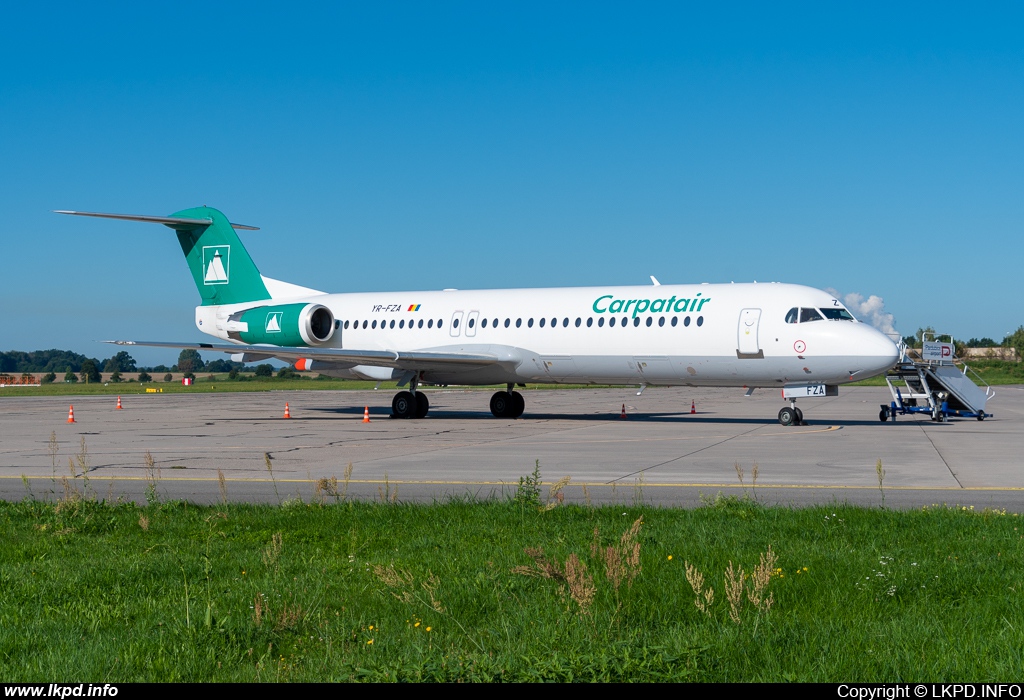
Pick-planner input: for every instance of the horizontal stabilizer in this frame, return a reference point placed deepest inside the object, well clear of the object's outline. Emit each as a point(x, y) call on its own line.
point(172, 221)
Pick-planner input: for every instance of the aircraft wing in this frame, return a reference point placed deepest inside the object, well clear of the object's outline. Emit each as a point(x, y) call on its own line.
point(343, 359)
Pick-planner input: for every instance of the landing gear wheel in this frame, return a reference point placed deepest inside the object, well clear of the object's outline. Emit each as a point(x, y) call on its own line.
point(883, 415)
point(787, 416)
point(403, 405)
point(501, 404)
point(799, 416)
point(518, 404)
point(422, 404)
point(981, 415)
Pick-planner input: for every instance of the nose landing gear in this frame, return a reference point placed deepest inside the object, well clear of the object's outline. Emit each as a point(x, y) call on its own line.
point(791, 415)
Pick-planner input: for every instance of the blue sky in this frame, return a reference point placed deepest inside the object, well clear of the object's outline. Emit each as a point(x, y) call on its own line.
point(875, 149)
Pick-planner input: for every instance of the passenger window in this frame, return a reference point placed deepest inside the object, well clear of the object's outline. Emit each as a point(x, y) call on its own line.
point(554, 322)
point(674, 320)
point(792, 315)
point(650, 320)
point(364, 325)
point(700, 320)
point(808, 315)
point(392, 323)
point(439, 322)
point(483, 323)
point(686, 321)
point(508, 322)
point(590, 322)
point(636, 321)
point(542, 322)
point(519, 322)
point(529, 324)
point(494, 323)
point(661, 321)
point(455, 323)
point(611, 321)
point(401, 324)
point(430, 323)
point(420, 324)
point(565, 323)
point(600, 322)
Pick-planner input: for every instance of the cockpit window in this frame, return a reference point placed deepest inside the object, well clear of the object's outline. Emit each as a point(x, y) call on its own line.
point(808, 315)
point(792, 316)
point(837, 314)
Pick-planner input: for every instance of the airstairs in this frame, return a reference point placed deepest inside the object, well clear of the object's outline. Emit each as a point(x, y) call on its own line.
point(933, 384)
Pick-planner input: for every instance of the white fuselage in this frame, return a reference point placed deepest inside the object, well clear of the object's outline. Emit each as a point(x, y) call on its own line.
point(696, 335)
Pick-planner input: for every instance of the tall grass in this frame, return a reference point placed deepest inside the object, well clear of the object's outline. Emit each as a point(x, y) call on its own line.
point(498, 590)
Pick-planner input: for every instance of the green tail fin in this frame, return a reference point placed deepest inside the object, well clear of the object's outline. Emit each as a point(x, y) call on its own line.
point(221, 267)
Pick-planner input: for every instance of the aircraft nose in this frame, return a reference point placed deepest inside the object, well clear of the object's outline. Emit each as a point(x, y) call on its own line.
point(880, 350)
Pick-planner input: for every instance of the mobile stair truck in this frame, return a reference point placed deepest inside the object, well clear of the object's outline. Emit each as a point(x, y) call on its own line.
point(935, 385)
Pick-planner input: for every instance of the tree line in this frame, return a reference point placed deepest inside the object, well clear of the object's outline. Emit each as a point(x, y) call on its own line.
point(74, 367)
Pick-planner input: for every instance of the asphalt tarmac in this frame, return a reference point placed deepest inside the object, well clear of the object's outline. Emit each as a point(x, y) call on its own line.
point(660, 454)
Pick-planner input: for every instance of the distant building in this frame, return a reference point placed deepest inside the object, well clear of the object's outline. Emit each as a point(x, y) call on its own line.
point(997, 353)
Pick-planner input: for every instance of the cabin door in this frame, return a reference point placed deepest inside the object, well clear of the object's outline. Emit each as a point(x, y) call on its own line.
point(747, 346)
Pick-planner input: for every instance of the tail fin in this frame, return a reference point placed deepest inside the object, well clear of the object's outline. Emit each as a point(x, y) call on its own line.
point(221, 267)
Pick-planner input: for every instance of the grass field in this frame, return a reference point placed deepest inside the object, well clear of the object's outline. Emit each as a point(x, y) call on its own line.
point(221, 383)
point(994, 372)
point(510, 590)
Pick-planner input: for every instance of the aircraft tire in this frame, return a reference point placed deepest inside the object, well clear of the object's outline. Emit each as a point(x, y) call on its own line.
point(422, 405)
point(787, 416)
point(518, 404)
point(403, 405)
point(799, 418)
point(883, 415)
point(501, 404)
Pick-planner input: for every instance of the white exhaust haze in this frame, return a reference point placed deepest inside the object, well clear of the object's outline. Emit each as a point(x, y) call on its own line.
point(870, 310)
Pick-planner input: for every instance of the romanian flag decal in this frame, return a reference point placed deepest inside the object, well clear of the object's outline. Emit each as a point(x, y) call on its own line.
point(414, 307)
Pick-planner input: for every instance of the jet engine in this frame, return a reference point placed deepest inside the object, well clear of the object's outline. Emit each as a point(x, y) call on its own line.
point(288, 325)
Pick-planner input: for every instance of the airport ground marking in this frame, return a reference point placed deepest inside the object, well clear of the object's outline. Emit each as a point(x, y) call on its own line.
point(443, 482)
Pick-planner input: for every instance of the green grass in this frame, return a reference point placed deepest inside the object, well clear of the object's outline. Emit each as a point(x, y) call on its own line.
point(221, 383)
point(202, 385)
point(102, 592)
point(995, 372)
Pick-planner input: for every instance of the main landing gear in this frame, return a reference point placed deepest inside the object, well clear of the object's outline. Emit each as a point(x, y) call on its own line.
point(414, 404)
point(410, 404)
point(791, 415)
point(507, 404)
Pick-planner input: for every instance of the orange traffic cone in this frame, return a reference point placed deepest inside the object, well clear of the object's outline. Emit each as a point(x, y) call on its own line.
point(287, 413)
point(693, 407)
point(366, 414)
point(71, 414)
point(119, 403)
point(623, 414)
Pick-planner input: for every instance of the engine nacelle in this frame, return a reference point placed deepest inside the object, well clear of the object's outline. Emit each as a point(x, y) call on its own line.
point(289, 325)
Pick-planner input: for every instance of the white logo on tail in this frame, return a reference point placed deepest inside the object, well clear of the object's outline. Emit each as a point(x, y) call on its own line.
point(274, 322)
point(216, 264)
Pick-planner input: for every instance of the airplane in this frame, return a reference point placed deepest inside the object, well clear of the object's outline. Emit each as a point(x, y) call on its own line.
point(797, 339)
